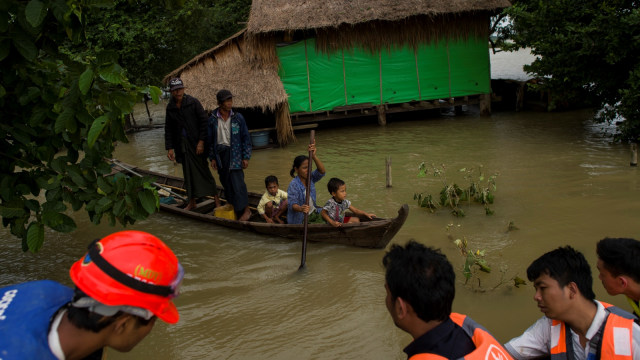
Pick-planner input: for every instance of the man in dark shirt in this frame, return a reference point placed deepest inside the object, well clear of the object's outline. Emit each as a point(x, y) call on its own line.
point(420, 285)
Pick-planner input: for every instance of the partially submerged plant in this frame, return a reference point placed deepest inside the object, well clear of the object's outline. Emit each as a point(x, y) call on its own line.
point(475, 262)
point(479, 190)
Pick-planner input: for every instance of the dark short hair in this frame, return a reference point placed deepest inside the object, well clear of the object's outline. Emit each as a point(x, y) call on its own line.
point(334, 184)
point(297, 162)
point(565, 265)
point(620, 256)
point(270, 179)
point(223, 95)
point(82, 318)
point(421, 276)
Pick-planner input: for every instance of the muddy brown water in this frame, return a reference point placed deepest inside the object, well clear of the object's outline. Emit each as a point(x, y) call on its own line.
point(560, 182)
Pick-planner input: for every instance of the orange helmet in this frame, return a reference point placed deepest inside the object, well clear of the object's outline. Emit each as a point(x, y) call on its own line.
point(131, 268)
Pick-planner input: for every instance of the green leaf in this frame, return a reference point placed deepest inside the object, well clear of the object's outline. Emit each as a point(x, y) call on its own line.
point(11, 211)
point(35, 236)
point(155, 93)
point(85, 80)
point(517, 281)
point(96, 129)
point(148, 200)
point(63, 120)
point(58, 221)
point(112, 74)
point(35, 12)
point(25, 47)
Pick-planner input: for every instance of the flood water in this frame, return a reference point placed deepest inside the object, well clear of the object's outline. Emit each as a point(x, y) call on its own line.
point(560, 182)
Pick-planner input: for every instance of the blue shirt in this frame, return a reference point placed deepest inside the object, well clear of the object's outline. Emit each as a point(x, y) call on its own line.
point(26, 311)
point(296, 194)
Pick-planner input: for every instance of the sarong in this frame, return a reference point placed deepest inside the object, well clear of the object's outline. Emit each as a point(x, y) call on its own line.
point(232, 180)
point(198, 180)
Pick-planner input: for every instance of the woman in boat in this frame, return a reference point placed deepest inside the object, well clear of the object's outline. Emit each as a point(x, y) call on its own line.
point(297, 189)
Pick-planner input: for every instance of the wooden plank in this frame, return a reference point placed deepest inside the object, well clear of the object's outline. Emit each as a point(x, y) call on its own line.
point(296, 127)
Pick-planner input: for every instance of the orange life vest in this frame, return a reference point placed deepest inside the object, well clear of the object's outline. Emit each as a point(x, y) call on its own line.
point(487, 347)
point(617, 337)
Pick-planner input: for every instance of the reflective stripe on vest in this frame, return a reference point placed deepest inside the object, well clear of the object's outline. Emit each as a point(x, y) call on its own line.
point(616, 338)
point(487, 347)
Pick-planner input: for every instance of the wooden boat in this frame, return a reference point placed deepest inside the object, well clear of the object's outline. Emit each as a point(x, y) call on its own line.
point(368, 233)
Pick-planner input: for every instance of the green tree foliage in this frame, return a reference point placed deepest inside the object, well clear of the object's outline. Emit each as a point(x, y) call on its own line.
point(153, 38)
point(62, 107)
point(589, 50)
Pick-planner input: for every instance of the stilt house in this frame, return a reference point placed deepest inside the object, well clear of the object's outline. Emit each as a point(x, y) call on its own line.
point(312, 60)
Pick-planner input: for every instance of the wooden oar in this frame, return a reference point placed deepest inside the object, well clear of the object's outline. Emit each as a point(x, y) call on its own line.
point(118, 163)
point(306, 201)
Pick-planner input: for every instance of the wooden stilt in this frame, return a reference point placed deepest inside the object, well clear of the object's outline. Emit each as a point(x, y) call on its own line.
point(485, 104)
point(634, 154)
point(382, 115)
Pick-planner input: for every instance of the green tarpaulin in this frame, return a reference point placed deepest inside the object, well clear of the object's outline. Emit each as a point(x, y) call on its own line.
point(319, 82)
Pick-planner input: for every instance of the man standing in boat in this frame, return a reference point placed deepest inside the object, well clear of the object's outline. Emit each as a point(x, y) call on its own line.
point(619, 267)
point(230, 152)
point(575, 325)
point(185, 133)
point(420, 285)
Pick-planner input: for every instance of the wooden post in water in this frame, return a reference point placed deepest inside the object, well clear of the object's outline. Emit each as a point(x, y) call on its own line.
point(634, 154)
point(382, 115)
point(485, 104)
point(388, 171)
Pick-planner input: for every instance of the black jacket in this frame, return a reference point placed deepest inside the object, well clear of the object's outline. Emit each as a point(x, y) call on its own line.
point(191, 117)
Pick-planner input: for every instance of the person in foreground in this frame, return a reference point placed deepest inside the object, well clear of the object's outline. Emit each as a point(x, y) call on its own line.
point(420, 285)
point(575, 326)
point(619, 267)
point(333, 211)
point(124, 282)
point(273, 202)
point(185, 133)
point(230, 151)
point(297, 189)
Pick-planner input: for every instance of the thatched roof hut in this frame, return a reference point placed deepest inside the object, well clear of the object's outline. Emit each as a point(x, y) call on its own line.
point(248, 63)
point(287, 15)
point(253, 84)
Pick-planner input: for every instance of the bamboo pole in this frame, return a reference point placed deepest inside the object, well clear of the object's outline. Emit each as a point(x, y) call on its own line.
point(388, 171)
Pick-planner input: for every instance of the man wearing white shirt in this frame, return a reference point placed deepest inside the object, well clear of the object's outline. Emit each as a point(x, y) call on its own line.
point(575, 325)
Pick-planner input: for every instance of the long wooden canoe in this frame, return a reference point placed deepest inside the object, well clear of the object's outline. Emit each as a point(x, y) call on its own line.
point(374, 233)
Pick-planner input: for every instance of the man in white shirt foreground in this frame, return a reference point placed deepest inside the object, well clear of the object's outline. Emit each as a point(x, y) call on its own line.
point(575, 326)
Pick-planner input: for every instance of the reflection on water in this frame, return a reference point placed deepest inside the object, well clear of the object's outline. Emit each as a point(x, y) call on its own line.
point(560, 181)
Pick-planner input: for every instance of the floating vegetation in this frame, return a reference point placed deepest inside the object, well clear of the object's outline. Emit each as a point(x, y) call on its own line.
point(479, 189)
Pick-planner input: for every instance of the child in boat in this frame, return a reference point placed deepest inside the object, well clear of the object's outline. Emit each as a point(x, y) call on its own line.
point(273, 202)
point(334, 210)
point(297, 190)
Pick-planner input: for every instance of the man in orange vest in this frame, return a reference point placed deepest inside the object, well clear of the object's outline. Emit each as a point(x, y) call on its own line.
point(420, 285)
point(619, 267)
point(575, 326)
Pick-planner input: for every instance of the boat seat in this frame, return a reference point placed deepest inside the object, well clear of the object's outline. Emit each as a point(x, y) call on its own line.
point(204, 206)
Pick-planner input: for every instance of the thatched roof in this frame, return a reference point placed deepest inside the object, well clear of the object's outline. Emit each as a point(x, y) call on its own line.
point(228, 66)
point(287, 15)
